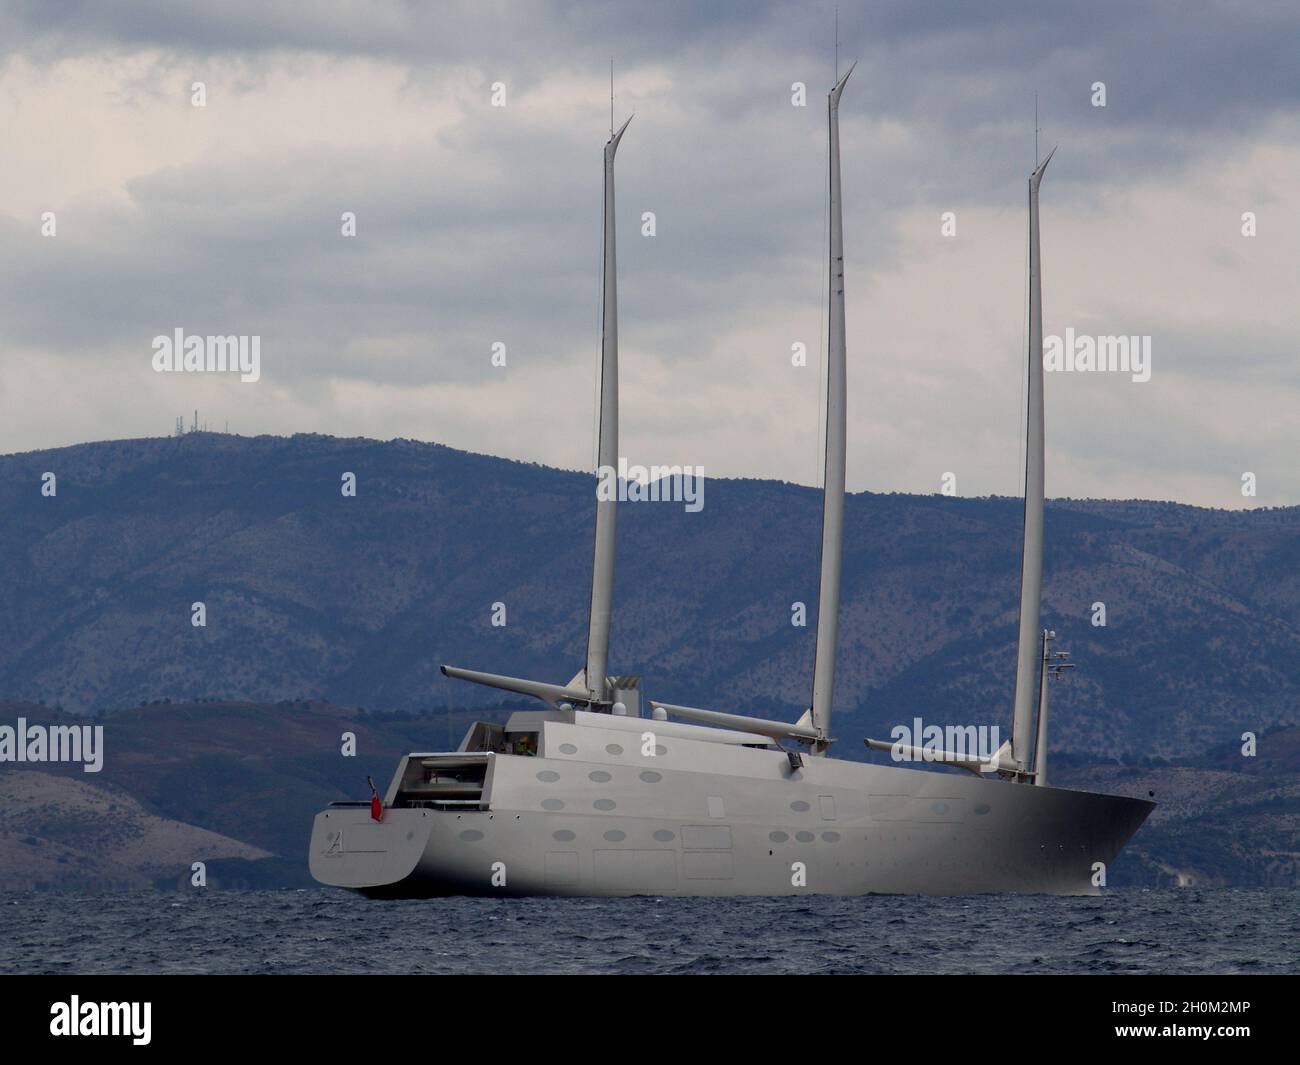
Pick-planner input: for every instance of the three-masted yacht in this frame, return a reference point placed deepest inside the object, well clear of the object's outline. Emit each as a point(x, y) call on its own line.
point(588, 796)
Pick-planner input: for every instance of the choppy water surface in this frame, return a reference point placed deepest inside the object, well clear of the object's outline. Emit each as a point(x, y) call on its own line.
point(1190, 931)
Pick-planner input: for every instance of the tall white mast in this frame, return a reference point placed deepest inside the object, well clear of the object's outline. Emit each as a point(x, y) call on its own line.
point(1031, 563)
point(602, 567)
point(591, 685)
point(828, 598)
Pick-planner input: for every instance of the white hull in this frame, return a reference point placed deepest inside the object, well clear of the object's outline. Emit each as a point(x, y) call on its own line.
point(737, 827)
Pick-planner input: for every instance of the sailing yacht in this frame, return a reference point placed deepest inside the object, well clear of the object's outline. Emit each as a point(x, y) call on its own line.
point(587, 796)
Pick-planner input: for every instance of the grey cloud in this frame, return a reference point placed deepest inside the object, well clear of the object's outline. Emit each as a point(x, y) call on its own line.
point(490, 229)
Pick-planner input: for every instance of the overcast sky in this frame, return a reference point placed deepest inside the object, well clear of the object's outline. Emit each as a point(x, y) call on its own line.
point(478, 224)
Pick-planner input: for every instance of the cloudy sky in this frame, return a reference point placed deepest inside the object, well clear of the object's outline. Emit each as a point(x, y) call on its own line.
point(479, 224)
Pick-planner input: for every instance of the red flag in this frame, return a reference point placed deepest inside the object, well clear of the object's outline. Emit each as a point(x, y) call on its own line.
point(376, 807)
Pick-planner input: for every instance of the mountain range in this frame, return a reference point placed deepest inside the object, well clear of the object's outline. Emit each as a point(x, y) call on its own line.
point(310, 593)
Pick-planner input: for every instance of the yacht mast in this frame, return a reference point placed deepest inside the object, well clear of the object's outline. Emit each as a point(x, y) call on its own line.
point(602, 567)
point(828, 598)
point(1031, 562)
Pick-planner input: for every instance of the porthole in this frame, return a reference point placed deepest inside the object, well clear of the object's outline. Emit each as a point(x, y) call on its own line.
point(548, 776)
point(613, 748)
point(778, 837)
point(564, 836)
point(599, 776)
point(615, 836)
point(568, 748)
point(800, 807)
point(804, 837)
point(552, 804)
point(605, 804)
point(664, 836)
point(651, 777)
